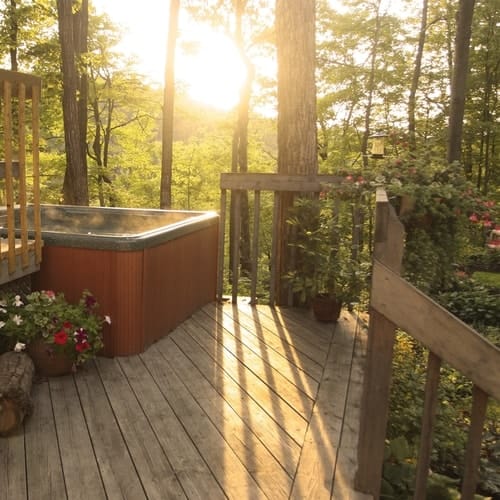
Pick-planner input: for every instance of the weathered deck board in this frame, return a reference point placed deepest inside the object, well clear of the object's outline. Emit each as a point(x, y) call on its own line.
point(69, 420)
point(268, 430)
point(237, 402)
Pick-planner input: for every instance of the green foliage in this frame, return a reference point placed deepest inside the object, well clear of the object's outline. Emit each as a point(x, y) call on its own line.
point(322, 246)
point(474, 303)
point(73, 329)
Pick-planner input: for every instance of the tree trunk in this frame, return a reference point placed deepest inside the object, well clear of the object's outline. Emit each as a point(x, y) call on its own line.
point(297, 134)
point(239, 159)
point(75, 189)
point(459, 79)
point(371, 88)
point(168, 108)
point(16, 375)
point(13, 31)
point(412, 100)
point(81, 30)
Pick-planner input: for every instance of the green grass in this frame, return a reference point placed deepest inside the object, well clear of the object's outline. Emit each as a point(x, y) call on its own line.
point(487, 278)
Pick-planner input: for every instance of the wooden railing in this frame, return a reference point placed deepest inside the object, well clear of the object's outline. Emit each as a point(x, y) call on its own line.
point(279, 185)
point(20, 100)
point(397, 304)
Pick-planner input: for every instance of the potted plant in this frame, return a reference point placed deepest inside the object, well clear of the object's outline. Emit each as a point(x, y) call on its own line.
point(58, 335)
point(325, 276)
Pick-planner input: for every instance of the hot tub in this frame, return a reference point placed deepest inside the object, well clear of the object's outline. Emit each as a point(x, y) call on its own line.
point(149, 269)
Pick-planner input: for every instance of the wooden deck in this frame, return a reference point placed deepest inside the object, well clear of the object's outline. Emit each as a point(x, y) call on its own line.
point(238, 402)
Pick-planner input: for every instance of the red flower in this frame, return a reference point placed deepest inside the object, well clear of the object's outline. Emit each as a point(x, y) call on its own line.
point(67, 325)
point(61, 337)
point(82, 346)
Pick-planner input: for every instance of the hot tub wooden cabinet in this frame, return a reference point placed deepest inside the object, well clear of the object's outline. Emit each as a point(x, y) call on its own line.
point(149, 269)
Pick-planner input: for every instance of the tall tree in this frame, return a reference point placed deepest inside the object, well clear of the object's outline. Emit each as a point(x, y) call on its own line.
point(75, 188)
point(297, 134)
point(459, 79)
point(168, 108)
point(412, 99)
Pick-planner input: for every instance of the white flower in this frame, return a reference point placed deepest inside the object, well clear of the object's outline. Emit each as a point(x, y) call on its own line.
point(3, 303)
point(2, 324)
point(17, 319)
point(19, 347)
point(107, 319)
point(17, 301)
point(2, 310)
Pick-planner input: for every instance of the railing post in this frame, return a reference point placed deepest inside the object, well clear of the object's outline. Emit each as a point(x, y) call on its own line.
point(389, 237)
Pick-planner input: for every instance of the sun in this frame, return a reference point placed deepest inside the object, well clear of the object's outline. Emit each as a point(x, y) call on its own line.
point(207, 62)
point(211, 68)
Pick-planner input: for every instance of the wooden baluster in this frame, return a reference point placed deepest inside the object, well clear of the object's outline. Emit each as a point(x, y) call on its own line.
point(220, 251)
point(274, 248)
point(473, 450)
point(428, 419)
point(255, 246)
point(35, 130)
point(235, 275)
point(23, 199)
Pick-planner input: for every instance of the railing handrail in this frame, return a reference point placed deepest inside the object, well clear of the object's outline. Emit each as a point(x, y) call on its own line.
point(395, 303)
point(437, 329)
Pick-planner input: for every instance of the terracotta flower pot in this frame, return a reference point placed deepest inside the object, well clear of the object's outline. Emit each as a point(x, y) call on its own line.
point(326, 308)
point(48, 362)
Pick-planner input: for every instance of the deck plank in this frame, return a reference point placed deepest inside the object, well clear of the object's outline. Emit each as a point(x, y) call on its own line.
point(237, 402)
point(118, 472)
point(192, 471)
point(347, 459)
point(78, 468)
point(269, 431)
point(230, 337)
point(305, 340)
point(153, 467)
point(315, 473)
point(250, 333)
point(220, 458)
point(43, 463)
point(260, 463)
point(12, 466)
point(264, 394)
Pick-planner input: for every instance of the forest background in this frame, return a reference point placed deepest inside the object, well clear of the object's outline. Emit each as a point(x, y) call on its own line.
point(378, 70)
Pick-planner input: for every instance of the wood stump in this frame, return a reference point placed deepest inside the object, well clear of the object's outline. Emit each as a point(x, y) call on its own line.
point(16, 376)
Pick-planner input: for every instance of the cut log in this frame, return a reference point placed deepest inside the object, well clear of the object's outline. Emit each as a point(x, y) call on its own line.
point(16, 376)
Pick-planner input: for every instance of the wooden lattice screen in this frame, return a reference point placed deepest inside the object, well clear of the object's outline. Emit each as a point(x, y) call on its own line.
point(20, 224)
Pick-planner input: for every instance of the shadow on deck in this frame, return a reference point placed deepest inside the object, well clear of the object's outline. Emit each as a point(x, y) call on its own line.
point(239, 402)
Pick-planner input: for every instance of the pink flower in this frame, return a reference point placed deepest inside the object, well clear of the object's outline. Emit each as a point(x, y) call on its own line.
point(473, 218)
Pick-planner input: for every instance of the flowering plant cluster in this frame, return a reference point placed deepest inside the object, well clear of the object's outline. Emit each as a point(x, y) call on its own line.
point(73, 329)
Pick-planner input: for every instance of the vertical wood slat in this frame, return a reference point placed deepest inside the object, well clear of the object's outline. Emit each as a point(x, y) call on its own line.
point(473, 450)
point(274, 245)
point(389, 238)
point(255, 247)
point(23, 199)
point(35, 128)
point(9, 178)
point(236, 246)
point(428, 419)
point(222, 236)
